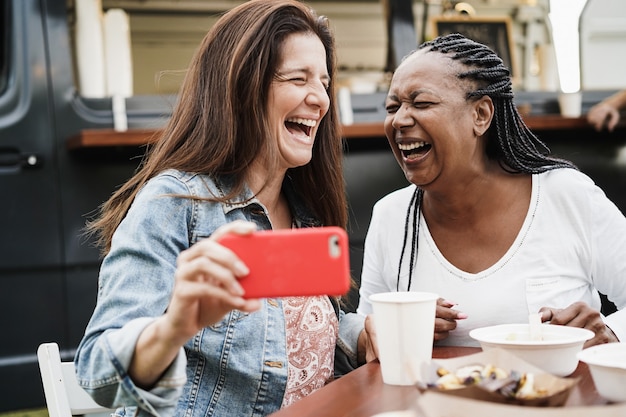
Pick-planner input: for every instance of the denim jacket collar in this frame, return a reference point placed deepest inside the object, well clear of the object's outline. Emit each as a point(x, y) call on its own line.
point(301, 214)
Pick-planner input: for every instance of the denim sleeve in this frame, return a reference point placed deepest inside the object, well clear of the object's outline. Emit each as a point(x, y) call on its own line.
point(115, 352)
point(134, 287)
point(350, 326)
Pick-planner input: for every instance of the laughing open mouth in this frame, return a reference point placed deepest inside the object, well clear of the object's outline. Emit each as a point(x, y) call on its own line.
point(300, 125)
point(414, 150)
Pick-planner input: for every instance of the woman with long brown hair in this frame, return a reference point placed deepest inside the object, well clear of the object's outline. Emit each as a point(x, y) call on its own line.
point(253, 143)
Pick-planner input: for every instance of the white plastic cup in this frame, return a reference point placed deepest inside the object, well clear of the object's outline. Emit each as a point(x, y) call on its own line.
point(548, 74)
point(117, 53)
point(571, 104)
point(90, 48)
point(405, 325)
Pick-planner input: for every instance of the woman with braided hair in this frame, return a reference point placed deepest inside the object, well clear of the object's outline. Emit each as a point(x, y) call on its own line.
point(491, 222)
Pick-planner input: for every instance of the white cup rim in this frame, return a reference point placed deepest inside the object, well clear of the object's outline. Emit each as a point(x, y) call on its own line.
point(396, 297)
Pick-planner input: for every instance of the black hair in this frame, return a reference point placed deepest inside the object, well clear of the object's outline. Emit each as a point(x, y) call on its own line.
point(509, 140)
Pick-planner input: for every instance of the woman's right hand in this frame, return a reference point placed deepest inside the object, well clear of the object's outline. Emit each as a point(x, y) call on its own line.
point(603, 115)
point(207, 286)
point(445, 318)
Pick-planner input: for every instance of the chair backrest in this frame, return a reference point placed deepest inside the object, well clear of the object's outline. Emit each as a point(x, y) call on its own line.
point(64, 397)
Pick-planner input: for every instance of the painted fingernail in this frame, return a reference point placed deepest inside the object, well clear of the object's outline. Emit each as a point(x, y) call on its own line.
point(241, 269)
point(246, 227)
point(237, 289)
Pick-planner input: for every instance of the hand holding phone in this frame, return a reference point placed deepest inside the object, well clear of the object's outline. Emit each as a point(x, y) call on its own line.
point(293, 262)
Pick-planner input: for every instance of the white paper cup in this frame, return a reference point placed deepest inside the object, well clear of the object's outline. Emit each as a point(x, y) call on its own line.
point(405, 325)
point(548, 75)
point(571, 104)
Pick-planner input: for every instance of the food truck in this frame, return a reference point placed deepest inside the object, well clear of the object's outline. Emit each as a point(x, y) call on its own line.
point(76, 116)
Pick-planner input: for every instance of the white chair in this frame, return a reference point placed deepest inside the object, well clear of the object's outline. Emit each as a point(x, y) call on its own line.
point(64, 397)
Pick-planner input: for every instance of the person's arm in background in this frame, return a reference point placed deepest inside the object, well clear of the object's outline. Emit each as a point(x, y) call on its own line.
point(606, 113)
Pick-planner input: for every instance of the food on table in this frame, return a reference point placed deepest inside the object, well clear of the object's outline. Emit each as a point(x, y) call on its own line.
point(512, 384)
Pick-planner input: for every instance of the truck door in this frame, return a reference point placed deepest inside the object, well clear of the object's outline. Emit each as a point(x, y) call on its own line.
point(30, 247)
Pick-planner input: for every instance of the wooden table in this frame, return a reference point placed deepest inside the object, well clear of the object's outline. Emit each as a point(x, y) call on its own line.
point(362, 392)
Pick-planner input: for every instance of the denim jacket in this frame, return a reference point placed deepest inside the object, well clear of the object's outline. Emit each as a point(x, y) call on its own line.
point(237, 367)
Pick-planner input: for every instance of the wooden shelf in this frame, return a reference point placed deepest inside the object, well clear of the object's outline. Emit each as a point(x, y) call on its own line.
point(92, 138)
point(555, 122)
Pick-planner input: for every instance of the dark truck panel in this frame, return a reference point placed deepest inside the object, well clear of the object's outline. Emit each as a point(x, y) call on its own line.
point(47, 271)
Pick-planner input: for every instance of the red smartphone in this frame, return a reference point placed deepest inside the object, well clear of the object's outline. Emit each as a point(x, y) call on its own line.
point(293, 262)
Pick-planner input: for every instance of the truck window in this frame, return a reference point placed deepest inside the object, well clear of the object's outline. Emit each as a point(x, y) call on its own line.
point(165, 34)
point(5, 27)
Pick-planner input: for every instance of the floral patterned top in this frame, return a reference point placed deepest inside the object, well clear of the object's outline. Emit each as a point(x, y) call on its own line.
point(311, 326)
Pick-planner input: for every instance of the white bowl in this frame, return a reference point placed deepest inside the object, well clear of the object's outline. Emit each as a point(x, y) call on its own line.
point(607, 364)
point(555, 353)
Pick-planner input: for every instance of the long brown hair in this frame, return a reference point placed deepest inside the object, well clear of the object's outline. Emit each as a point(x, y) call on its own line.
point(220, 124)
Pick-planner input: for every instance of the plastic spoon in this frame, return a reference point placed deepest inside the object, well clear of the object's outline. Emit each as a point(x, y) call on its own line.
point(534, 322)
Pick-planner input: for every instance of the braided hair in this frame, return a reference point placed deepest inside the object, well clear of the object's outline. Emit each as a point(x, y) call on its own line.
point(509, 140)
